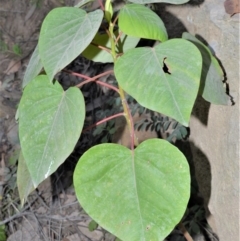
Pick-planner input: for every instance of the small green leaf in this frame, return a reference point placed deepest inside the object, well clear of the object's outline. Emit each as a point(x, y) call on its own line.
point(16, 49)
point(92, 52)
point(33, 69)
point(135, 195)
point(108, 10)
point(140, 21)
point(165, 78)
point(211, 87)
point(24, 180)
point(64, 34)
point(92, 225)
point(50, 123)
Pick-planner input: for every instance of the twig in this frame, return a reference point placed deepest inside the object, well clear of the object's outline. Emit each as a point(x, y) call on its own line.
point(102, 121)
point(185, 232)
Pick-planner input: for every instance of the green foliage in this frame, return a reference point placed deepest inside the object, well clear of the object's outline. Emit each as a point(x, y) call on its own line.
point(17, 50)
point(34, 67)
point(24, 180)
point(139, 193)
point(2, 233)
point(50, 123)
point(212, 76)
point(92, 225)
point(65, 33)
point(144, 23)
point(167, 88)
point(146, 184)
point(92, 52)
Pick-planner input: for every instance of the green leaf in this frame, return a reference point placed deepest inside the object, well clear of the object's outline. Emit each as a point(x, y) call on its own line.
point(165, 78)
point(3, 236)
point(92, 52)
point(140, 21)
point(159, 1)
point(50, 123)
point(24, 180)
point(211, 87)
point(139, 195)
point(33, 69)
point(16, 49)
point(64, 34)
point(92, 225)
point(108, 13)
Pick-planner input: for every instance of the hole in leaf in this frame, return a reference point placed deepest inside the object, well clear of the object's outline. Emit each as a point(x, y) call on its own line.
point(165, 67)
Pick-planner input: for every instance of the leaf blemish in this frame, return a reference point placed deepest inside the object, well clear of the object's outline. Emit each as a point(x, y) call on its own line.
point(165, 68)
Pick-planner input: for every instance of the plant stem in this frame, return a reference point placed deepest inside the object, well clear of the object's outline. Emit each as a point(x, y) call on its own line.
point(185, 232)
point(101, 4)
point(88, 79)
point(102, 121)
point(126, 109)
point(101, 47)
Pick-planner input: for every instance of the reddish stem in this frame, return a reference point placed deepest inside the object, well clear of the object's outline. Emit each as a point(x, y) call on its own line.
point(101, 4)
point(107, 85)
point(89, 79)
point(102, 121)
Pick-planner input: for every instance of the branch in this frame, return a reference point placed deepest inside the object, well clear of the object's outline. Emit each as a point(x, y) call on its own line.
point(102, 121)
point(101, 47)
point(185, 232)
point(89, 79)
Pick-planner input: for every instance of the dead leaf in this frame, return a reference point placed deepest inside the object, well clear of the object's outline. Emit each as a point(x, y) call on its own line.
point(232, 6)
point(13, 67)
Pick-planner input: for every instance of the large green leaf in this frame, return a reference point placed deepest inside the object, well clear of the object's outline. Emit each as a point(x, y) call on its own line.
point(159, 1)
point(211, 87)
point(50, 123)
point(64, 34)
point(24, 180)
point(165, 78)
point(92, 52)
point(34, 67)
point(140, 21)
point(138, 195)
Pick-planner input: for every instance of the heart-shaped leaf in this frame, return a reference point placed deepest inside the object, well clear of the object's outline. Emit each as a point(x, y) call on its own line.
point(165, 78)
point(50, 123)
point(140, 21)
point(211, 87)
point(139, 195)
point(64, 34)
point(34, 67)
